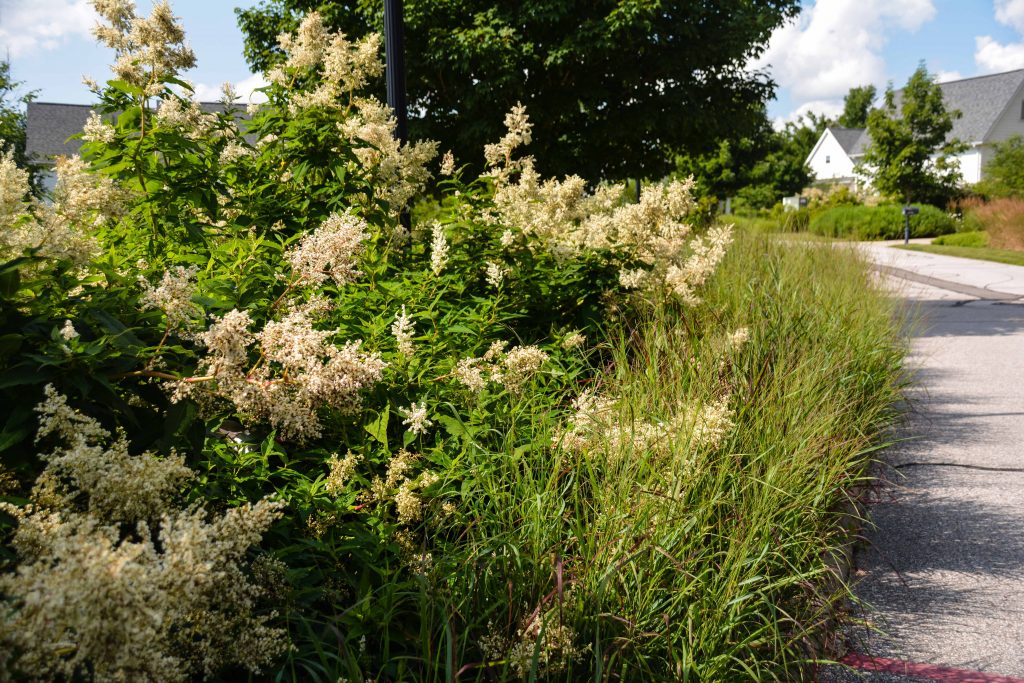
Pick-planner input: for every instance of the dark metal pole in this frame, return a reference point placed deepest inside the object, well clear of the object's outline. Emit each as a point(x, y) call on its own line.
point(394, 55)
point(906, 228)
point(638, 190)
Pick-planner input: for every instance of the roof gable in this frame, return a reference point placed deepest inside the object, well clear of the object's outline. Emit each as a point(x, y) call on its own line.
point(847, 137)
point(981, 101)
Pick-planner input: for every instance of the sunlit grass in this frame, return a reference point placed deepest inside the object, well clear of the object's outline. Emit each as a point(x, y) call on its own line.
point(1014, 258)
point(681, 562)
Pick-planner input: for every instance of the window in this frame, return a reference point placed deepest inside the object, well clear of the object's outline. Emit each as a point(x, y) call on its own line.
point(828, 159)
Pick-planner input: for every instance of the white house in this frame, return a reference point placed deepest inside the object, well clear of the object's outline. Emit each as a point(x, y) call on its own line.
point(992, 109)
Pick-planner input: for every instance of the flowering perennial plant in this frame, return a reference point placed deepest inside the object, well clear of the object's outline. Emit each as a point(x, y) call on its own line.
point(166, 600)
point(298, 370)
point(232, 299)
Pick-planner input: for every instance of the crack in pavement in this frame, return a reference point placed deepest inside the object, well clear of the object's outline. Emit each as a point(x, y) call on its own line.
point(976, 292)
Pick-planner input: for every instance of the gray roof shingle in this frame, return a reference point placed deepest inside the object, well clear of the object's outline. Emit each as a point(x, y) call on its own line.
point(981, 100)
point(847, 137)
point(49, 125)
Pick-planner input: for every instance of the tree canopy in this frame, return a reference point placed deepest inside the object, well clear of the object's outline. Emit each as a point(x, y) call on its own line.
point(614, 88)
point(1004, 174)
point(760, 168)
point(909, 156)
point(12, 116)
point(856, 106)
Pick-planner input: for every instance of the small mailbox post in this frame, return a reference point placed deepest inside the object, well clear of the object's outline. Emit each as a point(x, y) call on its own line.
point(908, 211)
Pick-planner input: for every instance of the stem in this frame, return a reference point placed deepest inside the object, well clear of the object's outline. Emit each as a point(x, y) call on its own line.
point(290, 287)
point(164, 375)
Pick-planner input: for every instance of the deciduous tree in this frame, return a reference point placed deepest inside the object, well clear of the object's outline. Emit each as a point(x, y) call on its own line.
point(1004, 174)
point(614, 88)
point(856, 106)
point(910, 156)
point(12, 117)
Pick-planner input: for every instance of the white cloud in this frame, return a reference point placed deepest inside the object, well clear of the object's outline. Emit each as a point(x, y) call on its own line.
point(835, 45)
point(829, 108)
point(992, 56)
point(1011, 13)
point(244, 87)
point(32, 25)
point(947, 76)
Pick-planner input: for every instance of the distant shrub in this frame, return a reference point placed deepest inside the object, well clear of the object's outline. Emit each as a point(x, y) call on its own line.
point(796, 221)
point(1003, 220)
point(879, 222)
point(964, 239)
point(751, 223)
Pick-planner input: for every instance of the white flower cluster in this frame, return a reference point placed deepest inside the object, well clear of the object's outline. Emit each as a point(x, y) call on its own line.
point(400, 171)
point(542, 640)
point(494, 273)
point(59, 230)
point(739, 338)
point(173, 295)
point(299, 371)
point(14, 207)
point(234, 151)
point(342, 470)
point(402, 330)
point(438, 249)
point(149, 50)
point(401, 486)
point(651, 235)
point(343, 68)
point(331, 251)
point(186, 116)
point(706, 254)
point(125, 586)
point(447, 163)
point(512, 369)
point(520, 132)
point(595, 425)
point(98, 130)
point(117, 486)
point(416, 418)
point(574, 340)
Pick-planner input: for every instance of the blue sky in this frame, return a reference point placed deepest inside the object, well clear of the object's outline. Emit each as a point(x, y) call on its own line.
point(832, 46)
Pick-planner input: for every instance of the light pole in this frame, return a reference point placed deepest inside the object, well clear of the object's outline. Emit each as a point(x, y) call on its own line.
point(394, 56)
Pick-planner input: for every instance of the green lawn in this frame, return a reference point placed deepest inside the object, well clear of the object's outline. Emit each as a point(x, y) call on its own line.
point(1015, 258)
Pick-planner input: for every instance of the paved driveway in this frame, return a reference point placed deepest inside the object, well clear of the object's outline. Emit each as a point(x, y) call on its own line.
point(943, 570)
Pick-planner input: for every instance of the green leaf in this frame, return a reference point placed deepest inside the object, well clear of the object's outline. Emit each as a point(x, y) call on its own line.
point(378, 429)
point(10, 280)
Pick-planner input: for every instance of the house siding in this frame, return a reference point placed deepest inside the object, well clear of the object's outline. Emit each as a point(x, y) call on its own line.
point(971, 163)
point(838, 164)
point(1009, 122)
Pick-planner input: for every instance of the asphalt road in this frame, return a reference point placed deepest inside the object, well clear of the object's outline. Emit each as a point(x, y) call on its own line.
point(942, 571)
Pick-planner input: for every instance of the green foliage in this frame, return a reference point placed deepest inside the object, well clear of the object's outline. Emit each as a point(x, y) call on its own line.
point(433, 530)
point(615, 88)
point(856, 106)
point(884, 222)
point(1004, 173)
point(758, 169)
point(963, 239)
point(910, 158)
point(12, 119)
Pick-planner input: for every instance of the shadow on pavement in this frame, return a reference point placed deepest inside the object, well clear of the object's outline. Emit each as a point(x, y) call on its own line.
point(967, 317)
